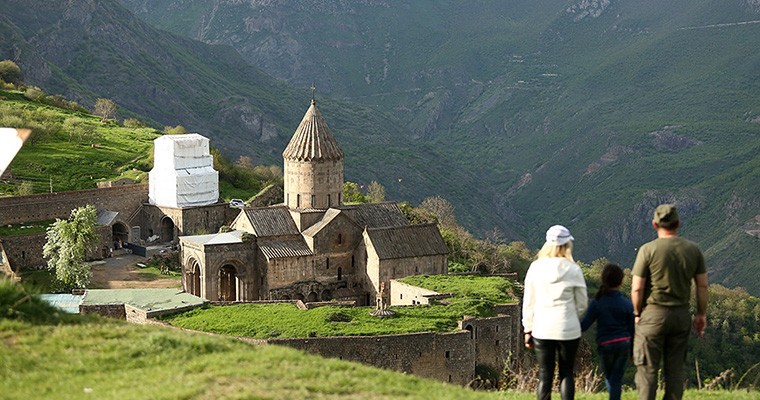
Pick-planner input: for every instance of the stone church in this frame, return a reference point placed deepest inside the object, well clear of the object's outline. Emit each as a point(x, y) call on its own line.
point(313, 247)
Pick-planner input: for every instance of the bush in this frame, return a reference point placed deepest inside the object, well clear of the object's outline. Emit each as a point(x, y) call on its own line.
point(10, 72)
point(133, 123)
point(177, 130)
point(16, 303)
point(34, 93)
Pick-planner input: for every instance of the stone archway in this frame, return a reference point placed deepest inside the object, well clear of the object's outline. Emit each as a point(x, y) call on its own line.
point(193, 278)
point(312, 297)
point(228, 283)
point(119, 233)
point(167, 230)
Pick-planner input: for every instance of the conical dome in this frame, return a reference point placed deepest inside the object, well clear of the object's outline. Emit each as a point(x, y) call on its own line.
point(313, 140)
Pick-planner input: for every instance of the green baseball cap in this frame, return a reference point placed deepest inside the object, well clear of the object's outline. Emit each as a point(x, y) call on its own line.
point(666, 215)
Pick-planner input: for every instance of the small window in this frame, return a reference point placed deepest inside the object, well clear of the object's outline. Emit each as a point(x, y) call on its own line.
point(327, 263)
point(448, 354)
point(400, 295)
point(329, 203)
point(497, 343)
point(298, 201)
point(313, 201)
point(340, 239)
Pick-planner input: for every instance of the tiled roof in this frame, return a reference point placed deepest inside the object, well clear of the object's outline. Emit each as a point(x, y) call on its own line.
point(284, 248)
point(407, 241)
point(312, 140)
point(271, 221)
point(330, 215)
point(376, 215)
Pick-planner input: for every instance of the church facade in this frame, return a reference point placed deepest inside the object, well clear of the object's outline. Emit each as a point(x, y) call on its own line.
point(312, 247)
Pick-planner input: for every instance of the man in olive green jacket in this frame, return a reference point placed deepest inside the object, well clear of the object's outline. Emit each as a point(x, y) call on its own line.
point(661, 288)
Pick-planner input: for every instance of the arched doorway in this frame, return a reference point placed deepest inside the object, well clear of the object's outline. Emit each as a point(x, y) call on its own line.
point(312, 297)
point(228, 283)
point(120, 233)
point(193, 278)
point(167, 230)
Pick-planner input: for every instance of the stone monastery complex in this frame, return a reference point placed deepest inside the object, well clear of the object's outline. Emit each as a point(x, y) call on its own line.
point(312, 247)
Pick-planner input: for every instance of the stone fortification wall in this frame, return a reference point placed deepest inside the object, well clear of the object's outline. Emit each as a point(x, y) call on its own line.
point(25, 251)
point(446, 357)
point(40, 207)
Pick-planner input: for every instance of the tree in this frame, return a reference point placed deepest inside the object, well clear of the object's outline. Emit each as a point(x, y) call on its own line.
point(106, 108)
point(375, 192)
point(177, 130)
point(67, 243)
point(10, 72)
point(442, 209)
point(352, 193)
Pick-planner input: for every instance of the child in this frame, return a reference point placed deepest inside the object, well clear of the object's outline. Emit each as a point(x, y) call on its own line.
point(614, 330)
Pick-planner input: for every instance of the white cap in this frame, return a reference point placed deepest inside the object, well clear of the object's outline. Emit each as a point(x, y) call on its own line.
point(558, 235)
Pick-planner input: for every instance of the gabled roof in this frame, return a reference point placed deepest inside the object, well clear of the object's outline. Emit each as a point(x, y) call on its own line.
point(376, 215)
point(271, 221)
point(329, 216)
point(312, 140)
point(407, 241)
point(284, 248)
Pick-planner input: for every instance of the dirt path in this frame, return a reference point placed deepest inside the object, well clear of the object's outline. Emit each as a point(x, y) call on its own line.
point(122, 272)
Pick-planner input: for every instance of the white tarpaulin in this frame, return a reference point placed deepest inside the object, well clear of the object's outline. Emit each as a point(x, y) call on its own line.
point(11, 141)
point(183, 174)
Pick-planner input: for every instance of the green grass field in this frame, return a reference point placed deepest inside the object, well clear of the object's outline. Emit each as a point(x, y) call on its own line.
point(472, 295)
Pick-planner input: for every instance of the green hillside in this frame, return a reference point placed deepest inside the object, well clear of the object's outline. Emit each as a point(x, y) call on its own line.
point(71, 150)
point(581, 113)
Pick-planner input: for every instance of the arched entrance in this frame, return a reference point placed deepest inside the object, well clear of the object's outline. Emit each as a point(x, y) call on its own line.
point(193, 278)
point(227, 283)
point(167, 230)
point(120, 233)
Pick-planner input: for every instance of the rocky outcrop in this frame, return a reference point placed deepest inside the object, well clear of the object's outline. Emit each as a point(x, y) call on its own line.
point(587, 9)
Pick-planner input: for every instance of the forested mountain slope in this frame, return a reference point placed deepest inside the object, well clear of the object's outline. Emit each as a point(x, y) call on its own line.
point(85, 49)
point(586, 113)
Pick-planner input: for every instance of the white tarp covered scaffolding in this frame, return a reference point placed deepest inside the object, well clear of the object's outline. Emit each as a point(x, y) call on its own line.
point(183, 172)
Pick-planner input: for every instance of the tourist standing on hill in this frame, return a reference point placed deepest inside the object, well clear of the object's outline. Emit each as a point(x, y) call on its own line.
point(554, 299)
point(660, 290)
point(613, 314)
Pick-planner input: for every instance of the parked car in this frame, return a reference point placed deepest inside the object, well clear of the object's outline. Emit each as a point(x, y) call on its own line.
point(237, 203)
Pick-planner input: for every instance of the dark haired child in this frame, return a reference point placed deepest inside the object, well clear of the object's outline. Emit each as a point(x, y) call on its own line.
point(613, 313)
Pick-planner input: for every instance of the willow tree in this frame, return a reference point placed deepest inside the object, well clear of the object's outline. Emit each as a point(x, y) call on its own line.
point(67, 244)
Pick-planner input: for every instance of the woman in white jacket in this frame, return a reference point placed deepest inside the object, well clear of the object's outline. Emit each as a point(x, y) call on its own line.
point(554, 300)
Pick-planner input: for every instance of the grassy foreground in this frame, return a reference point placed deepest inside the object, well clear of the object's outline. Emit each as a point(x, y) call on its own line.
point(101, 359)
point(114, 360)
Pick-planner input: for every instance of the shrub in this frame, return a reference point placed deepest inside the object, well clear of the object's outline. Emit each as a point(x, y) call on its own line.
point(16, 303)
point(10, 72)
point(133, 123)
point(34, 93)
point(177, 130)
point(25, 188)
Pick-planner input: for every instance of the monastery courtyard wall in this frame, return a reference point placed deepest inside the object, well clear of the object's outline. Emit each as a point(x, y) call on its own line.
point(41, 207)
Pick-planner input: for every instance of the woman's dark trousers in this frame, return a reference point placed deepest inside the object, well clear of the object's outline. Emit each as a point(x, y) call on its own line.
point(559, 352)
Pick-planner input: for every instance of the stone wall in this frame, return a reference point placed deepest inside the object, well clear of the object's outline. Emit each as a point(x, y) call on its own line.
point(106, 310)
point(25, 251)
point(41, 207)
point(185, 221)
point(448, 357)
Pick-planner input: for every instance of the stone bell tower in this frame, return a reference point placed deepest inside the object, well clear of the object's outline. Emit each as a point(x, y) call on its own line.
point(313, 165)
